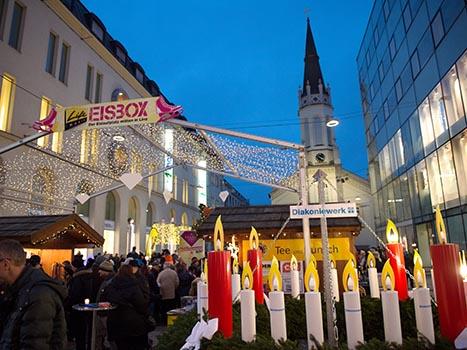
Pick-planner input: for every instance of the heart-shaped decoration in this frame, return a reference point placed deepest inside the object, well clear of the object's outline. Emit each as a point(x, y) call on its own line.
point(130, 180)
point(82, 197)
point(223, 195)
point(167, 196)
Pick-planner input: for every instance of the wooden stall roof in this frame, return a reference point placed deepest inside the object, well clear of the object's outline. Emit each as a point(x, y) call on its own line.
point(267, 217)
point(50, 231)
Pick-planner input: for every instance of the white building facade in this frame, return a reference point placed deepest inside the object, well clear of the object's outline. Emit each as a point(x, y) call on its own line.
point(59, 53)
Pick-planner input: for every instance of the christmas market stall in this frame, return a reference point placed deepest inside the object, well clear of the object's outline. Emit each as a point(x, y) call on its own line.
point(278, 236)
point(52, 237)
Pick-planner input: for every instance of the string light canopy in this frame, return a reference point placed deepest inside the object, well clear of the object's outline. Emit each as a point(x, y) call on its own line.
point(95, 156)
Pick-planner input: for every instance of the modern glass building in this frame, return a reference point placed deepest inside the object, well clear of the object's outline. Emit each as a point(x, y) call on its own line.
point(413, 79)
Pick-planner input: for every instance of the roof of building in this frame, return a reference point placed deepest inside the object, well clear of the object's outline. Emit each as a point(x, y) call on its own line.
point(265, 217)
point(312, 74)
point(50, 231)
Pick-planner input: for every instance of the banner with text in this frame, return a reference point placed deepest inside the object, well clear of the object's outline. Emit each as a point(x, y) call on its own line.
point(284, 248)
point(334, 210)
point(103, 115)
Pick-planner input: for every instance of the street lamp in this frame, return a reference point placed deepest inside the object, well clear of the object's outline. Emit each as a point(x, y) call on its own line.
point(332, 123)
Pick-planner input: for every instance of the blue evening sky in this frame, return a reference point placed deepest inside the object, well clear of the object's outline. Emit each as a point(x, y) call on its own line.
point(238, 64)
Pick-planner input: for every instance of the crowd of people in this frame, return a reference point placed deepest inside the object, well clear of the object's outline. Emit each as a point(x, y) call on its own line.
point(36, 311)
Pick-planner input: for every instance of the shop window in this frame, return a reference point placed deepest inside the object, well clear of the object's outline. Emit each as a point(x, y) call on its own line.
point(46, 105)
point(438, 114)
point(434, 178)
point(7, 94)
point(459, 150)
point(413, 190)
point(453, 101)
point(416, 137)
point(448, 175)
point(426, 126)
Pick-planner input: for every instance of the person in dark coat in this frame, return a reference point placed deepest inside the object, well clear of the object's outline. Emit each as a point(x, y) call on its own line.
point(127, 324)
point(32, 312)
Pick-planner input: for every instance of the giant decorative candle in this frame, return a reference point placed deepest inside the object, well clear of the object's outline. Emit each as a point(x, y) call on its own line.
point(247, 306)
point(334, 279)
point(463, 271)
point(449, 289)
point(396, 257)
point(276, 303)
point(422, 302)
point(220, 282)
point(255, 260)
point(352, 307)
point(390, 304)
point(372, 275)
point(294, 278)
point(314, 316)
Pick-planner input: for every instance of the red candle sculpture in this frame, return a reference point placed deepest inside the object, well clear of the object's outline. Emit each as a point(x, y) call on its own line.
point(396, 259)
point(448, 282)
point(220, 282)
point(255, 259)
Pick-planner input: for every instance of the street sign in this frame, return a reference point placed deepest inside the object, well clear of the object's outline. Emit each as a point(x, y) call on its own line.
point(334, 210)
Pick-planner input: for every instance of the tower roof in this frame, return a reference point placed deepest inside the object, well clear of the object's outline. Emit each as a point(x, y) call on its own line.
point(312, 74)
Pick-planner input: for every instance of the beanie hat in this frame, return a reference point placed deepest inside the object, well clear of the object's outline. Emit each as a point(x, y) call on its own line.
point(169, 259)
point(106, 266)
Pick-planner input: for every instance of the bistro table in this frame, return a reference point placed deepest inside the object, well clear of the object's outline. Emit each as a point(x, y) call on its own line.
point(94, 308)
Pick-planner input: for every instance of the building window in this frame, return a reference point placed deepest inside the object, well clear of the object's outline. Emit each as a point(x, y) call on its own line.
point(7, 93)
point(16, 29)
point(184, 220)
point(462, 70)
point(438, 113)
point(415, 64)
point(64, 63)
point(3, 4)
point(110, 207)
point(453, 99)
point(459, 148)
point(149, 216)
point(423, 188)
point(136, 163)
point(448, 176)
point(426, 126)
point(89, 147)
point(175, 187)
point(42, 190)
point(392, 48)
point(98, 94)
point(97, 30)
point(434, 178)
point(46, 105)
point(185, 195)
point(425, 48)
point(407, 17)
point(139, 76)
point(173, 215)
point(51, 54)
point(89, 81)
point(437, 28)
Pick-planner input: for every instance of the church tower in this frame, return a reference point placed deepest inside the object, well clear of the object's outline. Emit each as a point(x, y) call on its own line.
point(315, 110)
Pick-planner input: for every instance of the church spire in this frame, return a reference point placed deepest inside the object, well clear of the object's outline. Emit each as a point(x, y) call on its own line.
point(312, 75)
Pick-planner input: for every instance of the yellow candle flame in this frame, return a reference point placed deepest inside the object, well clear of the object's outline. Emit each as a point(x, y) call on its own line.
point(370, 260)
point(392, 234)
point(247, 276)
point(331, 258)
point(349, 277)
point(293, 263)
point(218, 235)
point(254, 239)
point(419, 273)
point(440, 228)
point(463, 266)
point(313, 260)
point(233, 241)
point(351, 257)
point(386, 274)
point(274, 277)
point(235, 265)
point(416, 256)
point(311, 274)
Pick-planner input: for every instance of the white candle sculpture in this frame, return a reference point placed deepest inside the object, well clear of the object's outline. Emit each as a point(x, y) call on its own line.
point(390, 304)
point(294, 278)
point(433, 282)
point(334, 279)
point(352, 307)
point(372, 275)
point(276, 303)
point(235, 280)
point(314, 316)
point(422, 301)
point(202, 292)
point(247, 305)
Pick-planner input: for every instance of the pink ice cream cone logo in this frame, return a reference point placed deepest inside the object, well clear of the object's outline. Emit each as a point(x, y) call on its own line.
point(167, 111)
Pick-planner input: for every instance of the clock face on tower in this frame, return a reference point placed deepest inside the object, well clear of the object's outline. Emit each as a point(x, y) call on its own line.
point(320, 157)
